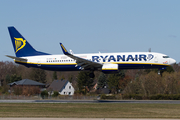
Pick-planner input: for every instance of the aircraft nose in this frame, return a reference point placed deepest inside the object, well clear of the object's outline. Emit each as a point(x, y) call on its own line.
point(172, 61)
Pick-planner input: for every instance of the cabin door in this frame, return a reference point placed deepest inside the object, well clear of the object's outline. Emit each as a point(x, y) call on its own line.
point(156, 59)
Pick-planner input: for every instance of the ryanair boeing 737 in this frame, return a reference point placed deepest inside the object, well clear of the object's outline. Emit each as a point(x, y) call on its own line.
point(106, 62)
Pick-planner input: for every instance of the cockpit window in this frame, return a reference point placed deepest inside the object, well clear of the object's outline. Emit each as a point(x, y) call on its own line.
point(165, 56)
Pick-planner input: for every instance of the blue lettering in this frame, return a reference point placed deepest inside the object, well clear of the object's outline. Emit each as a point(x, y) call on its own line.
point(130, 57)
point(120, 58)
point(95, 58)
point(104, 59)
point(142, 57)
point(136, 57)
point(112, 58)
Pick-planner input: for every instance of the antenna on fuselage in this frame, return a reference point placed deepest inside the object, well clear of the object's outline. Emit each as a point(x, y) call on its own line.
point(149, 50)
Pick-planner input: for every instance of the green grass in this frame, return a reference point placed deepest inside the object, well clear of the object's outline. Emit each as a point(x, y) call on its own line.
point(74, 110)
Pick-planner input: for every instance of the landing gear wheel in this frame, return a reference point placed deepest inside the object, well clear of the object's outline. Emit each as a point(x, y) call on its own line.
point(91, 75)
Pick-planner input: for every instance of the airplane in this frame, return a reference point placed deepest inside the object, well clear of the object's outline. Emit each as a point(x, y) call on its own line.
point(106, 62)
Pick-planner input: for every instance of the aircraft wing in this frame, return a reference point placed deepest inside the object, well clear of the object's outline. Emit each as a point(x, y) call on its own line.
point(17, 58)
point(84, 63)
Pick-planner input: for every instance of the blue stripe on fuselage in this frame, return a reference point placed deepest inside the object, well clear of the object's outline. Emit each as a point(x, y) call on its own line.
point(72, 67)
point(141, 66)
point(55, 67)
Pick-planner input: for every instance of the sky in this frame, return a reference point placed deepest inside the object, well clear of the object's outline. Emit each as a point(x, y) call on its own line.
point(92, 26)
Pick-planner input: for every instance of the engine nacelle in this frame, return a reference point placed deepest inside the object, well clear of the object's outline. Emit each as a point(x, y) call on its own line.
point(110, 68)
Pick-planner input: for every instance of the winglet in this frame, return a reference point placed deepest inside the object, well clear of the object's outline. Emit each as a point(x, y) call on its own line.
point(64, 49)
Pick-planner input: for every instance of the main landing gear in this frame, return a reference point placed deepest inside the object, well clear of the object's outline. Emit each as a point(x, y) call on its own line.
point(91, 75)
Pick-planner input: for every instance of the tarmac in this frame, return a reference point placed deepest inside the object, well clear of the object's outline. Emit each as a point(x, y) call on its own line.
point(94, 101)
point(80, 119)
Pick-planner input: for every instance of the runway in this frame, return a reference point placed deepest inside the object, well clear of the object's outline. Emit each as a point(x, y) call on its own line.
point(94, 101)
point(79, 119)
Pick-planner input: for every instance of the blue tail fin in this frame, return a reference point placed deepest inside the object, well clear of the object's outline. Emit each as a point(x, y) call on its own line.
point(21, 46)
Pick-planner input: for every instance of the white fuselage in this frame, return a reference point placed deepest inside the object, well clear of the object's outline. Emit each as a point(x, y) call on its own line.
point(126, 60)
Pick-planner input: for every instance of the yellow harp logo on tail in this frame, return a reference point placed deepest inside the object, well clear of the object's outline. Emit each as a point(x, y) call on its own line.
point(19, 43)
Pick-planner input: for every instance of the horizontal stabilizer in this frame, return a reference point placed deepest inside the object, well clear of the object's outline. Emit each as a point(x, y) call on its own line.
point(17, 58)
